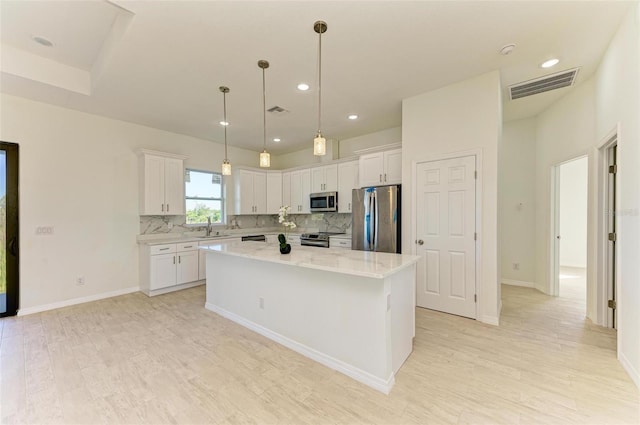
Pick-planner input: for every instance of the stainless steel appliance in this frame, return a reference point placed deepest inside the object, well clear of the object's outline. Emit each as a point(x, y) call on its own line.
point(259, 238)
point(376, 219)
point(320, 239)
point(323, 202)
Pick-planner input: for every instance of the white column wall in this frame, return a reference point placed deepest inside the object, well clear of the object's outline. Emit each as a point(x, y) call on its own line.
point(458, 118)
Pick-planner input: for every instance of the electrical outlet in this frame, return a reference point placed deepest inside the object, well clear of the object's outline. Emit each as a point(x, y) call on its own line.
point(516, 266)
point(80, 281)
point(261, 303)
point(44, 230)
point(170, 225)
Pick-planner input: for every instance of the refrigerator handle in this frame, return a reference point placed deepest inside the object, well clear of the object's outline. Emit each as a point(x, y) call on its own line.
point(376, 223)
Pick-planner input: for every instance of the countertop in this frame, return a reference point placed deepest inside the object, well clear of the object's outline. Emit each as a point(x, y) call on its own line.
point(358, 263)
point(164, 238)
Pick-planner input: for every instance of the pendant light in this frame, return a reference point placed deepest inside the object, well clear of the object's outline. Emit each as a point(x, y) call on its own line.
point(319, 143)
point(226, 165)
point(265, 158)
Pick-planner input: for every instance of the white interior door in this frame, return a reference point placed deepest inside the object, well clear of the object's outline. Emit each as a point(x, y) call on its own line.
point(445, 235)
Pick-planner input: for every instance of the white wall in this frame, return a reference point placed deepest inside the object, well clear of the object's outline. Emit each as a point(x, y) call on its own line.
point(573, 213)
point(458, 118)
point(517, 203)
point(618, 103)
point(78, 173)
point(565, 130)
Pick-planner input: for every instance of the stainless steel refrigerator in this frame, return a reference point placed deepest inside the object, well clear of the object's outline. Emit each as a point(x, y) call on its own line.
point(376, 219)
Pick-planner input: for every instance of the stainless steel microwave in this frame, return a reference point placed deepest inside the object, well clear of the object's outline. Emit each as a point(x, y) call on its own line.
point(323, 202)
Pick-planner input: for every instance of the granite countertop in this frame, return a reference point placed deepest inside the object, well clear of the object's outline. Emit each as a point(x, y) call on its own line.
point(164, 238)
point(358, 263)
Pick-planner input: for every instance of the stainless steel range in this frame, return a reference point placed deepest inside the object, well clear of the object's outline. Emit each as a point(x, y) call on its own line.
point(320, 239)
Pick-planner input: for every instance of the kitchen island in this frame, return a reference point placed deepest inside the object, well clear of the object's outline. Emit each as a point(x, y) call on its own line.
point(353, 311)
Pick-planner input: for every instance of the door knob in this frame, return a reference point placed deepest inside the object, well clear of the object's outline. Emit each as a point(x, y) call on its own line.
point(420, 242)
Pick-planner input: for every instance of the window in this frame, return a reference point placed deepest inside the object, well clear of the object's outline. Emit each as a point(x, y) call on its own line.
point(203, 197)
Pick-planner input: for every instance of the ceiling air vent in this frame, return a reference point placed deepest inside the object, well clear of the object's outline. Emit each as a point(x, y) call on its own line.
point(543, 84)
point(277, 111)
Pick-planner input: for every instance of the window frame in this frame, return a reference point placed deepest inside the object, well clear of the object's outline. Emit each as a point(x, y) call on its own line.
point(222, 199)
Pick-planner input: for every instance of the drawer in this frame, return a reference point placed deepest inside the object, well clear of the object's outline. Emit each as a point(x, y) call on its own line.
point(187, 246)
point(340, 243)
point(163, 249)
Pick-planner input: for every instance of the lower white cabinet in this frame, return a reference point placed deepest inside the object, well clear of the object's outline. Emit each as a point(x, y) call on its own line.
point(165, 267)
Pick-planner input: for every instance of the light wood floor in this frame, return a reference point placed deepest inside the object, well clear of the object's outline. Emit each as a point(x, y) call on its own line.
point(166, 359)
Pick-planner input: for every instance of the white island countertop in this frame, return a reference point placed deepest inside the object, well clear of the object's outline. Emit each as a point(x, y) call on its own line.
point(358, 263)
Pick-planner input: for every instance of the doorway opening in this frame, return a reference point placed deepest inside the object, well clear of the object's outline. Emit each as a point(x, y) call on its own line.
point(9, 242)
point(571, 206)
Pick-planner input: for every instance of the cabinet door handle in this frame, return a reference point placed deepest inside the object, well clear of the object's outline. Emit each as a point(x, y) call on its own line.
point(167, 207)
point(179, 259)
point(163, 249)
point(190, 246)
point(162, 207)
point(174, 259)
point(349, 208)
point(385, 176)
point(380, 178)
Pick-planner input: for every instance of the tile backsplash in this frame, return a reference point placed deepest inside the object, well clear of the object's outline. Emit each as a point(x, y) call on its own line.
point(323, 222)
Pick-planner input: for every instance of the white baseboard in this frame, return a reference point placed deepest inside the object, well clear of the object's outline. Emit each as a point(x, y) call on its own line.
point(523, 283)
point(359, 375)
point(74, 301)
point(490, 320)
point(633, 373)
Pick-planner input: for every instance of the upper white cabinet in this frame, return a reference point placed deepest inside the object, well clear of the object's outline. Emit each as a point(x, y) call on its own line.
point(250, 192)
point(286, 189)
point(300, 190)
point(381, 168)
point(347, 181)
point(324, 179)
point(274, 192)
point(161, 185)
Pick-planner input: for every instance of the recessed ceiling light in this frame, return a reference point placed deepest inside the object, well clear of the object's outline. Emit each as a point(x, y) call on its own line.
point(303, 87)
point(225, 123)
point(42, 41)
point(276, 139)
point(549, 63)
point(353, 117)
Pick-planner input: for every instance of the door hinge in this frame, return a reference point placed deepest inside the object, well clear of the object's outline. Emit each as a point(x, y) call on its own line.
point(475, 236)
point(475, 298)
point(612, 237)
point(613, 169)
point(475, 175)
point(612, 304)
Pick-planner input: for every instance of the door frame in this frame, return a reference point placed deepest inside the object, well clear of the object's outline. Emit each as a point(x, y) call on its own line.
point(477, 153)
point(554, 224)
point(603, 270)
point(13, 217)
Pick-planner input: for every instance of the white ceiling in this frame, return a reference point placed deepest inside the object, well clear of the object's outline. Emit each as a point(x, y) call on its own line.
point(160, 63)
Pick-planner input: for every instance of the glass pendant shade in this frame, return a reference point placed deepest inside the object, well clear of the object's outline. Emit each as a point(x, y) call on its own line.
point(319, 145)
point(265, 159)
point(226, 168)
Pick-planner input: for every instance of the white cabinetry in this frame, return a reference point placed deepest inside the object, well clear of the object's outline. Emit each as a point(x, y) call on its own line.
point(293, 240)
point(168, 267)
point(338, 242)
point(324, 179)
point(286, 189)
point(250, 192)
point(274, 192)
point(300, 190)
point(381, 168)
point(347, 181)
point(161, 183)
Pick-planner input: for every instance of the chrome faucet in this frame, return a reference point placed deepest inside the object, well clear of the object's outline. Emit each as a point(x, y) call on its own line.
point(208, 226)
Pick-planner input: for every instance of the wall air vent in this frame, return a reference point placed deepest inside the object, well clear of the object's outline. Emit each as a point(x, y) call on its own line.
point(277, 111)
point(543, 84)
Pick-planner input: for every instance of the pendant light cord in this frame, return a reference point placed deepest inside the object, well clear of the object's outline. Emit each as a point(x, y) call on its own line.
point(264, 114)
point(319, 79)
point(226, 124)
